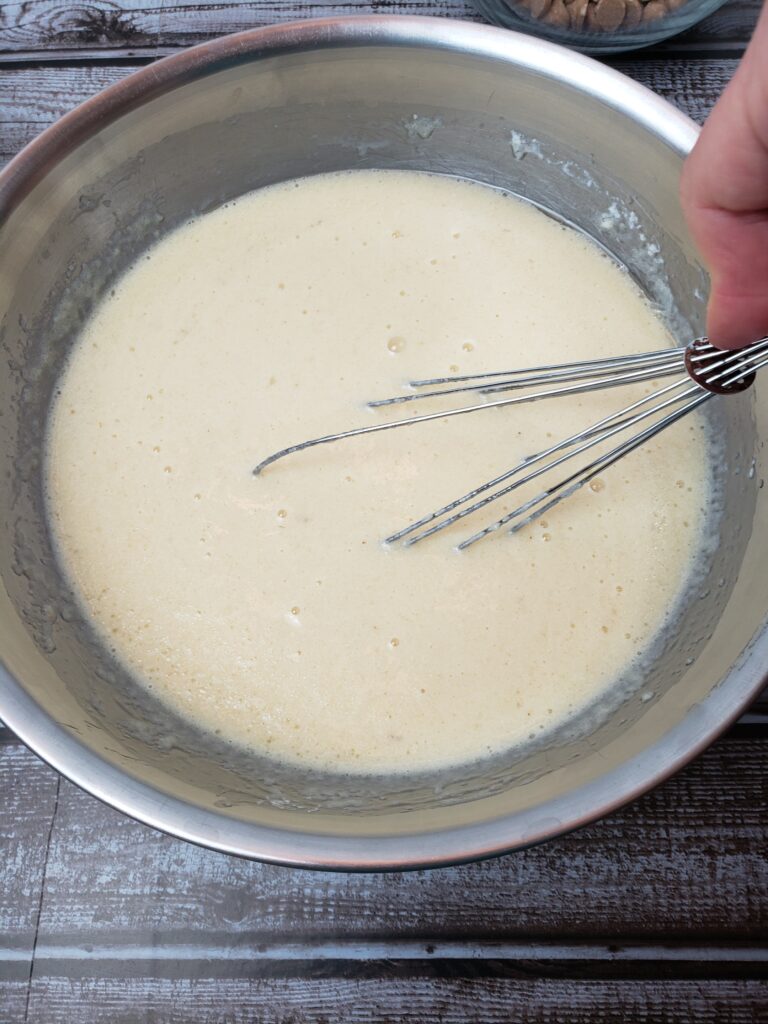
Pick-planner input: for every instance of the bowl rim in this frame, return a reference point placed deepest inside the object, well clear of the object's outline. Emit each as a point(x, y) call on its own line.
point(61, 749)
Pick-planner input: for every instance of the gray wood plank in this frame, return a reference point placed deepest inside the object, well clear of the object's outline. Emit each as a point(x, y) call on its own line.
point(729, 27)
point(33, 27)
point(13, 1000)
point(692, 85)
point(28, 792)
point(520, 1000)
point(32, 98)
point(42, 24)
point(685, 864)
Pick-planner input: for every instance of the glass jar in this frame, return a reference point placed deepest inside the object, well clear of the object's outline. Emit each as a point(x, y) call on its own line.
point(598, 26)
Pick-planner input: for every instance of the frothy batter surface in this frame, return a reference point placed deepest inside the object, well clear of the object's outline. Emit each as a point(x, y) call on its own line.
point(266, 608)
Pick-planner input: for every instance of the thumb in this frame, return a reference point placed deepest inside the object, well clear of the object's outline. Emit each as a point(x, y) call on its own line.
point(724, 192)
point(735, 247)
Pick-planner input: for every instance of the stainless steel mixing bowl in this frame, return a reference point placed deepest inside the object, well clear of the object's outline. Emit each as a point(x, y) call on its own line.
point(189, 133)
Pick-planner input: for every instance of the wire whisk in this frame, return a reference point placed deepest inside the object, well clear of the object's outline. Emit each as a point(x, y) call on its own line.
point(702, 371)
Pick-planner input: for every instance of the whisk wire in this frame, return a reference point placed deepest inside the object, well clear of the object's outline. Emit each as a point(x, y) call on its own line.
point(660, 368)
point(611, 363)
point(709, 371)
point(745, 365)
point(558, 492)
point(572, 389)
point(596, 436)
point(595, 429)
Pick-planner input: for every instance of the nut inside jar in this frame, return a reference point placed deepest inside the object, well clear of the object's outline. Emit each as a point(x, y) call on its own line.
point(599, 16)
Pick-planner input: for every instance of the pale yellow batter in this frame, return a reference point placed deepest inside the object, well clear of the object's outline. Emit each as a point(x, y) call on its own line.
point(266, 608)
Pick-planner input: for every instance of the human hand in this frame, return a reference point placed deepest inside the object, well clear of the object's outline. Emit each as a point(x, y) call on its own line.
point(724, 193)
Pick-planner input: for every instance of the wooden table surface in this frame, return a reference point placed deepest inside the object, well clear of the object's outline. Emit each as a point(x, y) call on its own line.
point(658, 913)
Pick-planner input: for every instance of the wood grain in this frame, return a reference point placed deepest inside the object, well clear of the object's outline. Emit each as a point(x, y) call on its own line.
point(32, 98)
point(693, 86)
point(30, 27)
point(520, 1000)
point(685, 864)
point(657, 914)
point(14, 995)
point(103, 24)
point(28, 795)
point(27, 810)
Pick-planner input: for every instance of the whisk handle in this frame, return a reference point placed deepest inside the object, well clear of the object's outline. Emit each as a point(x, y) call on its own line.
point(704, 364)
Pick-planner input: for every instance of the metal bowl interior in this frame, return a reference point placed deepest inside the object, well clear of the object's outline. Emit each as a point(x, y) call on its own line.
point(189, 133)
